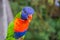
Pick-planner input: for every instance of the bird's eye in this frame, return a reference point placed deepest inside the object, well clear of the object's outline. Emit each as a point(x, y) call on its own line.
point(24, 10)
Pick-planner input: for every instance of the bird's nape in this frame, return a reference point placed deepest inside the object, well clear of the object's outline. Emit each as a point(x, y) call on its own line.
point(24, 16)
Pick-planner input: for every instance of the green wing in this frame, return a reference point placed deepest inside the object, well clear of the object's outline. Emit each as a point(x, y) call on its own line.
point(18, 15)
point(10, 32)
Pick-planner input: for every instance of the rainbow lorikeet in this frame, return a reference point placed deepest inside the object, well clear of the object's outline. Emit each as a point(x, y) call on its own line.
point(18, 27)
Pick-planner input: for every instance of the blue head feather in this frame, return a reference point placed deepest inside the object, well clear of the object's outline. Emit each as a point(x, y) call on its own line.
point(24, 16)
point(26, 11)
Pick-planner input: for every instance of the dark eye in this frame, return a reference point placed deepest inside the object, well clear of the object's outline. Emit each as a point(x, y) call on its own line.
point(24, 10)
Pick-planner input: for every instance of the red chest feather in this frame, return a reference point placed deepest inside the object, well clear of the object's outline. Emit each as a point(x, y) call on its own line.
point(20, 25)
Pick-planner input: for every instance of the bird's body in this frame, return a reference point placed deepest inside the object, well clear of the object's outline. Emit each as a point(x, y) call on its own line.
point(19, 26)
point(10, 31)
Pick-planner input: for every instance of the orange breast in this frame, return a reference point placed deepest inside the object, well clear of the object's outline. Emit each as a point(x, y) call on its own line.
point(20, 25)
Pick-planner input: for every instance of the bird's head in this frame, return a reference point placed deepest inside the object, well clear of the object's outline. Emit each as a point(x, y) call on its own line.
point(27, 12)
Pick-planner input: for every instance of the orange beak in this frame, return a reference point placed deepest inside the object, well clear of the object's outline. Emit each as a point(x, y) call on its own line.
point(29, 17)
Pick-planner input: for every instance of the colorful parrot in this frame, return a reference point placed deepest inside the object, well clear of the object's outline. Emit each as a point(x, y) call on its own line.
point(19, 26)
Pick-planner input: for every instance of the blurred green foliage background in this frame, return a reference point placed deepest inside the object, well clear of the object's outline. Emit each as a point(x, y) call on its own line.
point(45, 24)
